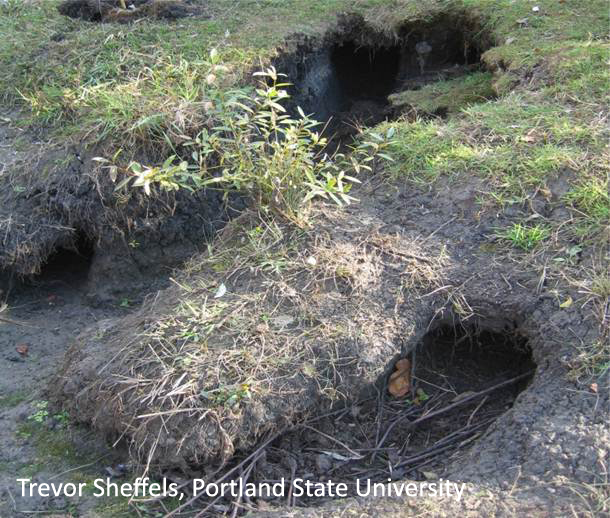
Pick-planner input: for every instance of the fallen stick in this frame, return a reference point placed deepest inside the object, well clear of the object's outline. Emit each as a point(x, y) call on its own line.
point(462, 401)
point(252, 457)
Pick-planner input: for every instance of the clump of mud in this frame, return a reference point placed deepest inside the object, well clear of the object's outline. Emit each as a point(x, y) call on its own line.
point(346, 76)
point(124, 11)
point(257, 355)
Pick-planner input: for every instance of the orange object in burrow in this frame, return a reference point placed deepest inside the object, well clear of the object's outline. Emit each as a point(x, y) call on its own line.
point(400, 380)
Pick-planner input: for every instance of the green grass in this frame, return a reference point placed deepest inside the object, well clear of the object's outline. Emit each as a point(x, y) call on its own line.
point(53, 446)
point(111, 77)
point(591, 198)
point(13, 399)
point(537, 129)
point(449, 96)
point(141, 87)
point(523, 236)
point(524, 144)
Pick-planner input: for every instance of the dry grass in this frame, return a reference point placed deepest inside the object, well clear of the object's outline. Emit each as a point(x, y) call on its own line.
point(273, 322)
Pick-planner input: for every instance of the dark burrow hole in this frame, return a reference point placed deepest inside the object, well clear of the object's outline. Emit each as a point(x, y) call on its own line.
point(69, 264)
point(66, 268)
point(348, 75)
point(463, 378)
point(112, 11)
point(461, 358)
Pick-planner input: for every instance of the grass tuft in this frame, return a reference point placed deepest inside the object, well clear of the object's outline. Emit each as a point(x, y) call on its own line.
point(446, 97)
point(524, 237)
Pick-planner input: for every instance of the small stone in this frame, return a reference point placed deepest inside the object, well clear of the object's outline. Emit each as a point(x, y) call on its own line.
point(323, 463)
point(282, 321)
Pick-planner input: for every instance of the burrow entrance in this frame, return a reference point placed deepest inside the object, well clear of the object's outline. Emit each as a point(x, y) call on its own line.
point(348, 76)
point(128, 10)
point(464, 376)
point(66, 270)
point(69, 265)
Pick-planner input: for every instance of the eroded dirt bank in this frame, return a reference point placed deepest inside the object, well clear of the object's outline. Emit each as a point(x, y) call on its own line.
point(394, 267)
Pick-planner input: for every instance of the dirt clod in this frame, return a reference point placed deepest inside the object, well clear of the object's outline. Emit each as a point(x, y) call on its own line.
point(113, 10)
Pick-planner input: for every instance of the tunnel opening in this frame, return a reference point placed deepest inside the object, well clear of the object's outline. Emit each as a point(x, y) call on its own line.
point(364, 73)
point(348, 79)
point(66, 268)
point(69, 264)
point(63, 275)
point(463, 376)
point(462, 357)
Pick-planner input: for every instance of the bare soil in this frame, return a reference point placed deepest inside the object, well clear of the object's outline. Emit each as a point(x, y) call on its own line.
point(44, 316)
point(112, 11)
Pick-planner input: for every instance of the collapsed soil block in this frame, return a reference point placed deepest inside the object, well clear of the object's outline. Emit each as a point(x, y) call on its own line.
point(348, 75)
point(129, 242)
point(271, 327)
point(461, 378)
point(127, 10)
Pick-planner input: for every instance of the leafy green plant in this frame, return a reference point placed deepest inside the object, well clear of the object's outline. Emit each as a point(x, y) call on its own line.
point(254, 145)
point(228, 396)
point(523, 236)
point(63, 418)
point(42, 412)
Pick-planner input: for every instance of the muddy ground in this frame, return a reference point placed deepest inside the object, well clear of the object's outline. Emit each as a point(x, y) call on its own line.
point(44, 318)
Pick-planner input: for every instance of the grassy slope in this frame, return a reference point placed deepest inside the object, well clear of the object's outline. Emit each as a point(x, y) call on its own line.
point(128, 82)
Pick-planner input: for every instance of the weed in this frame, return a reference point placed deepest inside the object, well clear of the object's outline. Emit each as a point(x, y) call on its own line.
point(591, 202)
point(572, 254)
point(42, 412)
point(255, 146)
point(592, 496)
point(596, 289)
point(591, 363)
point(227, 396)
point(13, 399)
point(523, 236)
